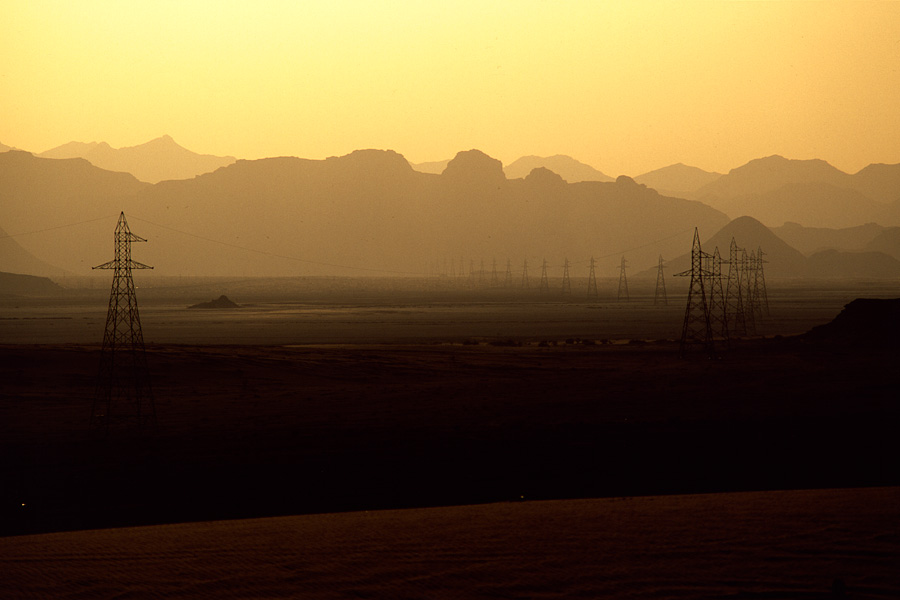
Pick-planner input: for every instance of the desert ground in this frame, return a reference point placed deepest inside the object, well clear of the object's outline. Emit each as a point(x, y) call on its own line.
point(342, 398)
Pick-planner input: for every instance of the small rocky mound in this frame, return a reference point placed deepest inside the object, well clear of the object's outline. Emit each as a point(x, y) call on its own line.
point(220, 302)
point(865, 321)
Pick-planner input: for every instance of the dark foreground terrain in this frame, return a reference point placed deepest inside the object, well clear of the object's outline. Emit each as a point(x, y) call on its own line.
point(252, 430)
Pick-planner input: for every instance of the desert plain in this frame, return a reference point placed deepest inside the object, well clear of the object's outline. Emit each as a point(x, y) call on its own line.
point(454, 420)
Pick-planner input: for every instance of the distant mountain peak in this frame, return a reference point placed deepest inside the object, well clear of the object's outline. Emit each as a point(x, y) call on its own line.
point(568, 168)
point(474, 166)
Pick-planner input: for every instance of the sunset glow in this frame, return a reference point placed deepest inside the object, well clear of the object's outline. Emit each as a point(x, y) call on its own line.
point(625, 87)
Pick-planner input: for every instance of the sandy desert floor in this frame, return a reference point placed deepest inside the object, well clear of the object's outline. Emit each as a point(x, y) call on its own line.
point(293, 408)
point(774, 545)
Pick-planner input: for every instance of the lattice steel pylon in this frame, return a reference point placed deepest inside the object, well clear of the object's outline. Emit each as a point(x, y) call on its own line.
point(124, 397)
point(734, 302)
point(717, 319)
point(566, 282)
point(759, 285)
point(696, 329)
point(544, 286)
point(748, 266)
point(623, 282)
point(525, 282)
point(660, 296)
point(507, 279)
point(592, 283)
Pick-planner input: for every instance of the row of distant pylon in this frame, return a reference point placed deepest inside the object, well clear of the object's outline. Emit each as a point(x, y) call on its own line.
point(479, 278)
point(717, 313)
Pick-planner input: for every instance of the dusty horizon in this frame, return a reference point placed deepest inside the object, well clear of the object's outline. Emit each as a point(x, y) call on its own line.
point(624, 88)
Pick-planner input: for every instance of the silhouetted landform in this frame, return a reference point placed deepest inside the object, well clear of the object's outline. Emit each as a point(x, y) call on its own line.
point(435, 167)
point(781, 259)
point(220, 302)
point(566, 167)
point(5, 148)
point(869, 322)
point(810, 192)
point(809, 240)
point(849, 265)
point(888, 242)
point(16, 259)
point(15, 284)
point(366, 210)
point(157, 160)
point(678, 180)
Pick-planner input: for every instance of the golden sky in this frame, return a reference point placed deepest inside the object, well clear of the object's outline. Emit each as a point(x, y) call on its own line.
point(624, 86)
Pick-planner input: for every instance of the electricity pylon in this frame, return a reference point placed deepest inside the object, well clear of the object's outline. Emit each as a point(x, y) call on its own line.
point(660, 296)
point(734, 302)
point(696, 329)
point(759, 286)
point(748, 265)
point(525, 284)
point(123, 396)
point(507, 280)
point(545, 283)
point(494, 280)
point(566, 283)
point(717, 319)
point(592, 283)
point(623, 282)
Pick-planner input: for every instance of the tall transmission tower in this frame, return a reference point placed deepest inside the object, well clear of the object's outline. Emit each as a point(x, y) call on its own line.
point(494, 279)
point(123, 395)
point(734, 302)
point(566, 283)
point(592, 283)
point(545, 283)
point(525, 284)
point(696, 329)
point(660, 296)
point(717, 319)
point(623, 282)
point(748, 265)
point(507, 280)
point(759, 286)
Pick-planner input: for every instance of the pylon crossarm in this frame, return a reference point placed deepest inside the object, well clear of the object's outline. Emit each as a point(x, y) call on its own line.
point(136, 265)
point(107, 265)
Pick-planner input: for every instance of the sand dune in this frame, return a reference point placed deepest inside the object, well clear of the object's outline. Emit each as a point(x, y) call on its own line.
point(748, 545)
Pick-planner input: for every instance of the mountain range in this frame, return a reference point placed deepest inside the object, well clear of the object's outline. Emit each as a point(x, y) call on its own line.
point(784, 261)
point(366, 212)
point(157, 160)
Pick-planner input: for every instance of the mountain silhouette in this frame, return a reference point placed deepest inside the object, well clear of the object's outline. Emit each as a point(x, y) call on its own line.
point(814, 204)
point(750, 234)
point(849, 265)
point(809, 240)
point(566, 167)
point(5, 148)
point(434, 167)
point(157, 160)
point(15, 284)
point(363, 213)
point(16, 259)
point(678, 180)
point(887, 242)
point(810, 192)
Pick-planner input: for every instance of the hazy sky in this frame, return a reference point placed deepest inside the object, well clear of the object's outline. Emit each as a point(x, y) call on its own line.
point(624, 86)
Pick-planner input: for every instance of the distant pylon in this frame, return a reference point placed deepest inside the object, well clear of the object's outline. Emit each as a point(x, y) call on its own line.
point(660, 296)
point(566, 283)
point(696, 329)
point(748, 265)
point(759, 288)
point(507, 280)
point(525, 284)
point(623, 282)
point(717, 319)
point(592, 283)
point(545, 283)
point(734, 302)
point(123, 395)
point(494, 279)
